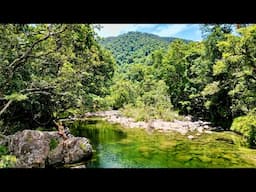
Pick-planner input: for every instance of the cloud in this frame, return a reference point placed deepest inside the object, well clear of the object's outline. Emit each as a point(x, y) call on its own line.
point(114, 29)
point(117, 29)
point(170, 29)
point(186, 31)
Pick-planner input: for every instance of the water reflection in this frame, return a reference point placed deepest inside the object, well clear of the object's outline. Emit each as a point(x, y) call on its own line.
point(117, 147)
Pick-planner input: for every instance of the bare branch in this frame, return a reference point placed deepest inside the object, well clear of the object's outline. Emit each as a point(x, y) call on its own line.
point(39, 92)
point(5, 107)
point(30, 92)
point(37, 89)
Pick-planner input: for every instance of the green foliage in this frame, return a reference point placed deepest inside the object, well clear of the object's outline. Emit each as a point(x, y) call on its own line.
point(219, 68)
point(3, 150)
point(50, 71)
point(135, 47)
point(211, 88)
point(7, 161)
point(121, 93)
point(83, 147)
point(143, 112)
point(213, 79)
point(16, 97)
point(246, 125)
point(53, 144)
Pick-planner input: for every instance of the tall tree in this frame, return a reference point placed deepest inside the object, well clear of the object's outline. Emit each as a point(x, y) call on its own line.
point(50, 71)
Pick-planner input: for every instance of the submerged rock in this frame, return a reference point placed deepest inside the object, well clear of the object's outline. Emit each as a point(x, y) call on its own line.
point(39, 149)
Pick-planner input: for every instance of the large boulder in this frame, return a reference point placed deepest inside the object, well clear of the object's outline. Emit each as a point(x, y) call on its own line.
point(43, 149)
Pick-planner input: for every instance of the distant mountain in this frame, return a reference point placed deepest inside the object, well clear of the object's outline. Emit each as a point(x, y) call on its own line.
point(134, 47)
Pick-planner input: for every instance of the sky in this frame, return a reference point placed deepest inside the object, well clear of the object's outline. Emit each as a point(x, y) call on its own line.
point(184, 31)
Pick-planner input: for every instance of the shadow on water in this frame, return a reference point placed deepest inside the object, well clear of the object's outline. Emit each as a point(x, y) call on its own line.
point(118, 147)
point(98, 132)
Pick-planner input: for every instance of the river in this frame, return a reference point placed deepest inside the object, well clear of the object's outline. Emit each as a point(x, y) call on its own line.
point(118, 147)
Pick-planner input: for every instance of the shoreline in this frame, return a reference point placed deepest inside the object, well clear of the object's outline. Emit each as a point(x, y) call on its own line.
point(183, 127)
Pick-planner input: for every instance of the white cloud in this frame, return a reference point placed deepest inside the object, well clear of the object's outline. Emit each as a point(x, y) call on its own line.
point(145, 26)
point(171, 30)
point(114, 29)
point(117, 29)
point(187, 31)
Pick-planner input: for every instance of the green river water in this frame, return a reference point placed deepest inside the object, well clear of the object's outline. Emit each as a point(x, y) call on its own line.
point(118, 147)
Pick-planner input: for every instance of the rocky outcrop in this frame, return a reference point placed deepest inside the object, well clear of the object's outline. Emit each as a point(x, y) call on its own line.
point(35, 149)
point(183, 127)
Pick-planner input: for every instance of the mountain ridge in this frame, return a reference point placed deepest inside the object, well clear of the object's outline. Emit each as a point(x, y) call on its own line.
point(134, 47)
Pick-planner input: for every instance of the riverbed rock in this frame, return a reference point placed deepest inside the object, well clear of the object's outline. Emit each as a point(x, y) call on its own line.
point(191, 137)
point(39, 149)
point(182, 126)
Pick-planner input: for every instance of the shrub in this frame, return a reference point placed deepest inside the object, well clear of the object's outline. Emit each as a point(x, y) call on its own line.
point(3, 150)
point(246, 126)
point(7, 161)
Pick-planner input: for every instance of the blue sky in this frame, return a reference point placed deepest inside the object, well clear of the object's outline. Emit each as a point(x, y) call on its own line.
point(185, 31)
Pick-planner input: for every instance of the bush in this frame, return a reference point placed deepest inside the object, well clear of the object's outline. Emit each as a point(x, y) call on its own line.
point(3, 150)
point(7, 161)
point(246, 126)
point(146, 113)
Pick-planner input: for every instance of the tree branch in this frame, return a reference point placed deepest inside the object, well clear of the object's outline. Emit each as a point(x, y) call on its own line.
point(5, 107)
point(39, 92)
point(37, 89)
point(3, 136)
point(24, 57)
point(30, 92)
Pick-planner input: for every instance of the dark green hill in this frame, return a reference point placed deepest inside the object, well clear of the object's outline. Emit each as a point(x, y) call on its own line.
point(134, 47)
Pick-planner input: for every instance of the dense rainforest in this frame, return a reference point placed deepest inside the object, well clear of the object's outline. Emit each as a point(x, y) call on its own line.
point(55, 71)
point(135, 47)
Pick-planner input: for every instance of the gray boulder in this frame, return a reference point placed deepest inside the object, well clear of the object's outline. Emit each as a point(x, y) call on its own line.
point(39, 149)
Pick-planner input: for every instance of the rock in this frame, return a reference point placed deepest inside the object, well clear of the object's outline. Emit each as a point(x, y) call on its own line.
point(200, 129)
point(209, 132)
point(191, 137)
point(76, 149)
point(206, 127)
point(188, 118)
point(78, 167)
point(217, 129)
point(41, 149)
point(181, 126)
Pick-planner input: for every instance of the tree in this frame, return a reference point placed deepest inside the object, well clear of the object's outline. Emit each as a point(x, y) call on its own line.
point(50, 71)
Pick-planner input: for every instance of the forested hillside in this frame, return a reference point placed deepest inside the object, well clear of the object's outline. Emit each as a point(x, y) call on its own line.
point(135, 47)
point(212, 80)
point(51, 72)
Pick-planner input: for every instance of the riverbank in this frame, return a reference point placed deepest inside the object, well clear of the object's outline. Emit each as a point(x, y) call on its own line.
point(184, 127)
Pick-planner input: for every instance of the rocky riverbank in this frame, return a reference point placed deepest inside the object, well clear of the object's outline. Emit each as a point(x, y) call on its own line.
point(183, 127)
point(39, 149)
